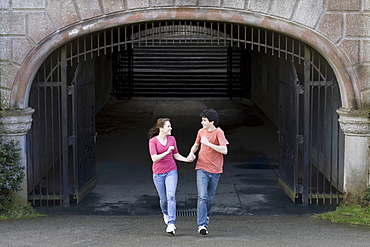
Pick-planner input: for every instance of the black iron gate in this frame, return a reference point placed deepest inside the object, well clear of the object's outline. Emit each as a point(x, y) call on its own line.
point(289, 138)
point(83, 136)
point(123, 73)
point(61, 142)
point(311, 143)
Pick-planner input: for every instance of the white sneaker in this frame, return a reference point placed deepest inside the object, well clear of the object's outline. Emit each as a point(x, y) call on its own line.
point(165, 219)
point(171, 229)
point(203, 230)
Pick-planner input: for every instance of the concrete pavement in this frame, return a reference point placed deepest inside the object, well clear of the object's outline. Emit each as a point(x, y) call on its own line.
point(123, 210)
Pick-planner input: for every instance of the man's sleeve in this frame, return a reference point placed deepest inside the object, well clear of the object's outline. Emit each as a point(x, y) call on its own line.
point(222, 139)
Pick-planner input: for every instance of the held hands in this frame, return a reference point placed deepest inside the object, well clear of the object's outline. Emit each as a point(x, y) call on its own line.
point(191, 157)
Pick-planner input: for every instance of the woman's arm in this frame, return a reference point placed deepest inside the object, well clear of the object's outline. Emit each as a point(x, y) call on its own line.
point(179, 157)
point(158, 157)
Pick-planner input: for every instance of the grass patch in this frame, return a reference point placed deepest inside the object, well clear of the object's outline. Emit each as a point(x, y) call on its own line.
point(19, 211)
point(348, 214)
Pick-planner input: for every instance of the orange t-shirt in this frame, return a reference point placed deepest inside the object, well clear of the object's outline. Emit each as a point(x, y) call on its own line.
point(209, 159)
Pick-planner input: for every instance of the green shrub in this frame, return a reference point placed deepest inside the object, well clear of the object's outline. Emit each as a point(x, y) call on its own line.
point(11, 172)
point(366, 197)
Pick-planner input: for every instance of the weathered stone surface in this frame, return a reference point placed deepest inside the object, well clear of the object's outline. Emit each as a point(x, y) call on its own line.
point(366, 5)
point(136, 4)
point(365, 96)
point(162, 3)
point(39, 26)
point(259, 6)
point(308, 12)
point(352, 49)
point(21, 47)
point(88, 8)
point(363, 73)
point(336, 5)
point(110, 6)
point(4, 4)
point(357, 25)
point(186, 2)
point(282, 8)
point(13, 23)
point(214, 3)
point(7, 72)
point(365, 52)
point(235, 4)
point(62, 13)
point(4, 98)
point(28, 4)
point(331, 26)
point(5, 46)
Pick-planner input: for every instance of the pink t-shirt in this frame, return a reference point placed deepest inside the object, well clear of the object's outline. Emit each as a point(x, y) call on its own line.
point(167, 163)
point(209, 159)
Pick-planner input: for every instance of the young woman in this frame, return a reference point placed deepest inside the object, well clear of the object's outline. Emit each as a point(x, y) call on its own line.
point(163, 151)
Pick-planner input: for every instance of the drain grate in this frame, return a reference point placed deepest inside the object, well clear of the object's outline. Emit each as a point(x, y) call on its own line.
point(191, 212)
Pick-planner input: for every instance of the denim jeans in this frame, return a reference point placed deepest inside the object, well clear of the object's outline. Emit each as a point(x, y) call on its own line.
point(166, 185)
point(206, 185)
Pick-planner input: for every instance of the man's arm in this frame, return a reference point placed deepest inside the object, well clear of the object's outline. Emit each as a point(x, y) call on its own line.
point(193, 150)
point(220, 149)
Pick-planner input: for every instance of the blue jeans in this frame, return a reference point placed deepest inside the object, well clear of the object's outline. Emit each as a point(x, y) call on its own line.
point(206, 184)
point(166, 185)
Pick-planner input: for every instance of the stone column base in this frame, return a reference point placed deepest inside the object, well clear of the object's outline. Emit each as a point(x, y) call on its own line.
point(356, 127)
point(14, 125)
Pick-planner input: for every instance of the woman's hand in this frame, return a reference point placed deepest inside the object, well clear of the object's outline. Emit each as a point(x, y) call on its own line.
point(191, 157)
point(170, 148)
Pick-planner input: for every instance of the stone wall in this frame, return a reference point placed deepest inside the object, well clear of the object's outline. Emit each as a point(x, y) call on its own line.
point(26, 23)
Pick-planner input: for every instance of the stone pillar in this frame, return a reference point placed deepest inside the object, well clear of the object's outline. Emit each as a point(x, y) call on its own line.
point(356, 127)
point(14, 125)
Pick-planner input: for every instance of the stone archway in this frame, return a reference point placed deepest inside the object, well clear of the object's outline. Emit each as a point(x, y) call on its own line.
point(337, 59)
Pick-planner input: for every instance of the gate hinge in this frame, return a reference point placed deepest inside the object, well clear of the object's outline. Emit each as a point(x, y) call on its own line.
point(298, 189)
point(300, 89)
point(71, 90)
point(71, 140)
point(300, 139)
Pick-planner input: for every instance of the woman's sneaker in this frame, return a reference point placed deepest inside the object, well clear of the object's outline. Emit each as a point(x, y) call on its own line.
point(203, 230)
point(165, 219)
point(171, 229)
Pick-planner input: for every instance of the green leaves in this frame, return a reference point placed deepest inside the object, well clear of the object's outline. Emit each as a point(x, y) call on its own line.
point(11, 171)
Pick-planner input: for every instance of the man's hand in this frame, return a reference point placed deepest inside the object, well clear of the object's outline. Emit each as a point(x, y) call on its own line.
point(191, 157)
point(204, 141)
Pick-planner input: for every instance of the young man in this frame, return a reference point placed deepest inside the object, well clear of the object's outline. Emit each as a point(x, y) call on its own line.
point(212, 142)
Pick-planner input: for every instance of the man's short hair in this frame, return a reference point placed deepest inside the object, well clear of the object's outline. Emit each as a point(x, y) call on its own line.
point(211, 115)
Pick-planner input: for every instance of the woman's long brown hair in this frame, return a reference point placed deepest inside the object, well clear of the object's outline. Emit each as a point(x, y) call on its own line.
point(155, 129)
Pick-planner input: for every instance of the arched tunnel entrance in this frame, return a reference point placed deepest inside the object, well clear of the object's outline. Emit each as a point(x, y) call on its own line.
point(261, 79)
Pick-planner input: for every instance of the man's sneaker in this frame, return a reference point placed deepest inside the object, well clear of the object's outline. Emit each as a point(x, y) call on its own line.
point(203, 230)
point(171, 229)
point(165, 219)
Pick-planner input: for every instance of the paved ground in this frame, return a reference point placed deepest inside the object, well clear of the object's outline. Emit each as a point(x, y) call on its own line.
point(99, 230)
point(247, 187)
point(250, 209)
